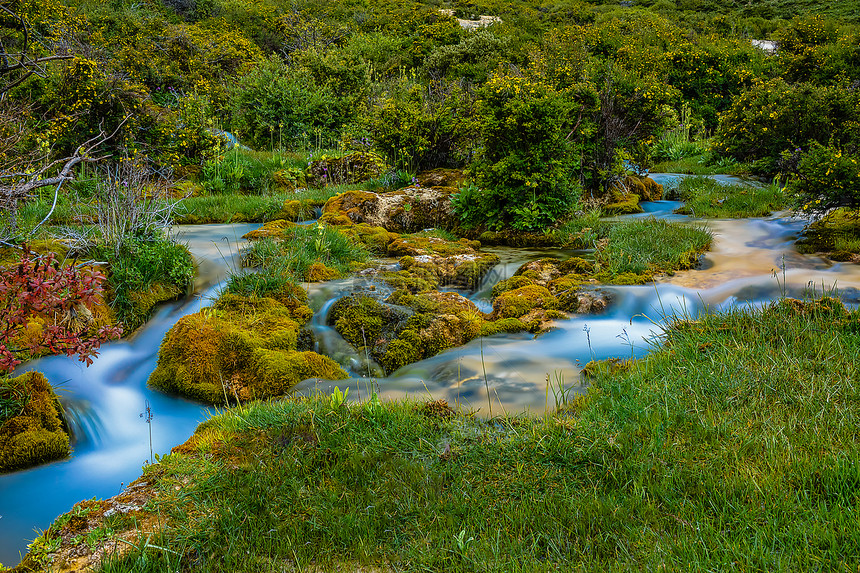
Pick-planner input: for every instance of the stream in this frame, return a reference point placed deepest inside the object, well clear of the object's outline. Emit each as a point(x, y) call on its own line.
point(751, 261)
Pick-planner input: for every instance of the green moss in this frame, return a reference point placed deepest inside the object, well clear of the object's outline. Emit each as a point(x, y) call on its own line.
point(414, 279)
point(318, 272)
point(423, 245)
point(276, 371)
point(214, 356)
point(511, 238)
point(143, 301)
point(622, 204)
point(36, 433)
point(518, 302)
point(490, 328)
point(512, 283)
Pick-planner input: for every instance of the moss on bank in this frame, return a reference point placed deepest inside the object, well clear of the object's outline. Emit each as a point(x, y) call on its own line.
point(32, 430)
point(837, 235)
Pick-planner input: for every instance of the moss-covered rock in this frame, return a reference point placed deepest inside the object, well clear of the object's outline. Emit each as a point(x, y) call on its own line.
point(519, 302)
point(403, 211)
point(511, 238)
point(219, 355)
point(408, 327)
point(271, 230)
point(293, 210)
point(622, 204)
point(35, 434)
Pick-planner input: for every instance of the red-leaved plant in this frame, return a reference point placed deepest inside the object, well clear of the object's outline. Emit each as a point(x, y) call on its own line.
point(40, 287)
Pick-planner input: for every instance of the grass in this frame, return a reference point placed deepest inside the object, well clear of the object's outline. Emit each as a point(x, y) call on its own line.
point(705, 197)
point(648, 246)
point(12, 399)
point(282, 263)
point(142, 274)
point(239, 208)
point(732, 446)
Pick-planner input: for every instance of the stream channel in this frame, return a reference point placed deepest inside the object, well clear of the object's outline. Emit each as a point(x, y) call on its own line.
point(752, 261)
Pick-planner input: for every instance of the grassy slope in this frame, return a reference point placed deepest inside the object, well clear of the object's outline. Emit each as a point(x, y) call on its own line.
point(732, 447)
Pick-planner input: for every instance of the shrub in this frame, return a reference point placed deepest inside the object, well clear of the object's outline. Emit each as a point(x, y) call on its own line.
point(776, 116)
point(523, 172)
point(826, 178)
point(416, 129)
point(59, 299)
point(278, 105)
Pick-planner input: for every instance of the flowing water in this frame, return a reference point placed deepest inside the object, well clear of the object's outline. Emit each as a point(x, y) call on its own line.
point(752, 261)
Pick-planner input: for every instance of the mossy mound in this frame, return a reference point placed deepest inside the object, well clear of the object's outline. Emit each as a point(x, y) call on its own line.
point(144, 301)
point(519, 302)
point(318, 273)
point(376, 239)
point(271, 230)
point(622, 203)
point(348, 169)
point(511, 238)
point(241, 349)
point(564, 280)
point(403, 211)
point(624, 199)
point(837, 235)
point(430, 262)
point(428, 245)
point(294, 210)
point(409, 327)
point(35, 434)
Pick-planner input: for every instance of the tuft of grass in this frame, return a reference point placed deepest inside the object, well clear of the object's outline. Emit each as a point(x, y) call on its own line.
point(706, 197)
point(142, 274)
point(731, 446)
point(283, 262)
point(644, 247)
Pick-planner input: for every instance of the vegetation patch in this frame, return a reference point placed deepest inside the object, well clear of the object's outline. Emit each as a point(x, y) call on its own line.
point(32, 430)
point(243, 348)
point(837, 235)
point(707, 197)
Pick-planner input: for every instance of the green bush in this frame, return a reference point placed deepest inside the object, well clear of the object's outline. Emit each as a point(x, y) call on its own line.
point(826, 178)
point(523, 173)
point(282, 106)
point(776, 116)
point(415, 128)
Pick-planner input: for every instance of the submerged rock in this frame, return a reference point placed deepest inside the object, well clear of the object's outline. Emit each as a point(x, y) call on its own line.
point(36, 434)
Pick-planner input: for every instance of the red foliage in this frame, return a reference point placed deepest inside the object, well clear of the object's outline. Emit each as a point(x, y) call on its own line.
point(39, 286)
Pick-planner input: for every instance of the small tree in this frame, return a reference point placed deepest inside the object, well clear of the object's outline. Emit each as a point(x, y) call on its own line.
point(41, 288)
